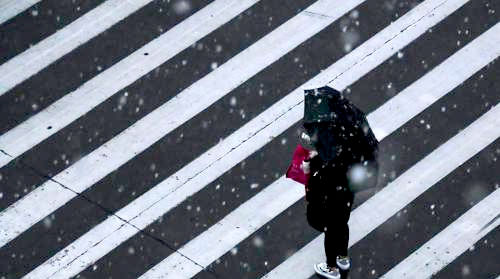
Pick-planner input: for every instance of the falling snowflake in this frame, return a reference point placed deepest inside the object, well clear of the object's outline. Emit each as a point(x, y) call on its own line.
point(254, 185)
point(131, 250)
point(122, 101)
point(349, 38)
point(258, 242)
point(234, 251)
point(182, 7)
point(354, 14)
point(47, 222)
point(465, 270)
point(233, 101)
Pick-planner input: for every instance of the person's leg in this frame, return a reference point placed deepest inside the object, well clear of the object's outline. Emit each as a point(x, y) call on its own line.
point(336, 241)
point(337, 230)
point(317, 216)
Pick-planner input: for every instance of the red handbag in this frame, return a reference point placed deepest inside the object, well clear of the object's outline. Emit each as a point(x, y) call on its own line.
point(294, 171)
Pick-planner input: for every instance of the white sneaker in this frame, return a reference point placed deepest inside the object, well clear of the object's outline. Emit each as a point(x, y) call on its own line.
point(326, 271)
point(343, 262)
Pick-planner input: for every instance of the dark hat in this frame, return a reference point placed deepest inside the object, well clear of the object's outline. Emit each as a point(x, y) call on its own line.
point(321, 104)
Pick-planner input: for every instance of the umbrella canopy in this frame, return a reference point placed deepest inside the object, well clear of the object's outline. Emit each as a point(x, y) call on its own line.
point(340, 132)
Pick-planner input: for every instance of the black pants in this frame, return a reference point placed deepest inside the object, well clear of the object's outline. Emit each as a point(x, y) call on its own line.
point(331, 217)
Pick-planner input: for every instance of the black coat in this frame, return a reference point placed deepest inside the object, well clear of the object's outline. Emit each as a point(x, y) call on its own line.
point(347, 147)
point(328, 177)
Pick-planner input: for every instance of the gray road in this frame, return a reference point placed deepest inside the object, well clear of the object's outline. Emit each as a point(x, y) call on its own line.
point(267, 246)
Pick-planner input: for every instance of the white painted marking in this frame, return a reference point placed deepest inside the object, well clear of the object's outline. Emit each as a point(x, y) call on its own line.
point(11, 8)
point(451, 242)
point(44, 53)
point(229, 231)
point(93, 167)
point(399, 193)
point(245, 141)
point(75, 104)
point(245, 220)
point(454, 69)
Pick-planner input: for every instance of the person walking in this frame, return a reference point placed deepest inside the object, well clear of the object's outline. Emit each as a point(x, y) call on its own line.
point(341, 162)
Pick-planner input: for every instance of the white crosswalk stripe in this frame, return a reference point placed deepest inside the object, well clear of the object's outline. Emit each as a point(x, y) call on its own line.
point(273, 200)
point(75, 104)
point(44, 53)
point(270, 123)
point(138, 137)
point(386, 114)
point(391, 199)
point(451, 242)
point(205, 163)
point(202, 250)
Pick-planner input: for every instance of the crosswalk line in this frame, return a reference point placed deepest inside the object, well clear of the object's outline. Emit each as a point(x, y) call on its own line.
point(44, 53)
point(11, 8)
point(42, 200)
point(154, 203)
point(400, 192)
point(245, 220)
point(75, 104)
point(451, 242)
point(226, 233)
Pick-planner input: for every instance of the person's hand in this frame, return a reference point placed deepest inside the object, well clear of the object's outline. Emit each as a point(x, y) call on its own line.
point(305, 167)
point(312, 154)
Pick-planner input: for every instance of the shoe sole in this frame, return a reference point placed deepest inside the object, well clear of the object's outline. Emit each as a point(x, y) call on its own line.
point(319, 272)
point(343, 268)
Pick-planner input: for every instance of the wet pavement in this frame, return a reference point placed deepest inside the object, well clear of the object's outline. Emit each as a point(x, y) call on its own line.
point(273, 243)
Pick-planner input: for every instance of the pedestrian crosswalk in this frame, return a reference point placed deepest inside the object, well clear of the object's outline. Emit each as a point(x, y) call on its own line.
point(63, 41)
point(244, 220)
point(451, 242)
point(101, 247)
point(401, 192)
point(118, 150)
point(90, 94)
point(174, 263)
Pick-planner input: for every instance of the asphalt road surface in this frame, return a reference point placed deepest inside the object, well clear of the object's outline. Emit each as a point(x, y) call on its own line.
point(149, 139)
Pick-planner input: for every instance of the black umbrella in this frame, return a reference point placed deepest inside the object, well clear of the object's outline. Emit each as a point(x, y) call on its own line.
point(340, 133)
